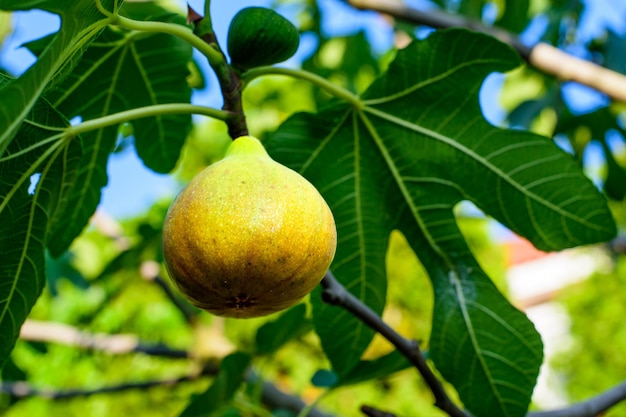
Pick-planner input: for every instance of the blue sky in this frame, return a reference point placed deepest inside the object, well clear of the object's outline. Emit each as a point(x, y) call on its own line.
point(132, 187)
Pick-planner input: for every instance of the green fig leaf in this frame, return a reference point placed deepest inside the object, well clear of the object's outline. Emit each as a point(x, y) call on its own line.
point(118, 72)
point(413, 147)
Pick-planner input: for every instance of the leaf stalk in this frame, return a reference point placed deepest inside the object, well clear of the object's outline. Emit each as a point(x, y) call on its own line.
point(315, 79)
point(148, 111)
point(215, 57)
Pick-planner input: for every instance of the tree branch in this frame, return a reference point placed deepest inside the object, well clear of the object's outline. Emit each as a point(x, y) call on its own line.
point(64, 334)
point(542, 56)
point(275, 398)
point(439, 20)
point(334, 293)
point(120, 344)
point(590, 408)
point(22, 389)
point(229, 80)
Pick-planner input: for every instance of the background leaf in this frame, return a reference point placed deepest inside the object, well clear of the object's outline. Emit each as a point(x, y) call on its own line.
point(515, 15)
point(224, 386)
point(290, 325)
point(380, 367)
point(615, 182)
point(415, 147)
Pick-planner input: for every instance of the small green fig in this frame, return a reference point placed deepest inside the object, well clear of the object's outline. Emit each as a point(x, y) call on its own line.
point(259, 36)
point(248, 236)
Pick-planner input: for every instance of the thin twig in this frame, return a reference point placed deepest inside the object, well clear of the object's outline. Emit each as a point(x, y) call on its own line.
point(270, 395)
point(334, 293)
point(185, 308)
point(542, 56)
point(275, 398)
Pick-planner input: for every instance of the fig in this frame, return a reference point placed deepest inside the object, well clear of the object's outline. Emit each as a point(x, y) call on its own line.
point(259, 36)
point(248, 236)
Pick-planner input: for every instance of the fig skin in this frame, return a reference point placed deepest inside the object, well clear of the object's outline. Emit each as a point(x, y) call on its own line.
point(248, 236)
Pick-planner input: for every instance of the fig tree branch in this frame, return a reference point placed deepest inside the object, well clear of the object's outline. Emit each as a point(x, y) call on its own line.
point(542, 56)
point(593, 407)
point(270, 395)
point(334, 293)
point(42, 331)
point(375, 412)
point(203, 39)
point(230, 82)
point(186, 309)
point(48, 332)
point(22, 389)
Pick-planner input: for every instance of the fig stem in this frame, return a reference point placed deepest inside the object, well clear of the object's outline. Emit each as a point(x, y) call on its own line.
point(315, 79)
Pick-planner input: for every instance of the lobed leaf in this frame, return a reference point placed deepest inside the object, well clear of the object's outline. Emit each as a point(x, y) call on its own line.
point(73, 170)
point(326, 149)
point(122, 70)
point(414, 147)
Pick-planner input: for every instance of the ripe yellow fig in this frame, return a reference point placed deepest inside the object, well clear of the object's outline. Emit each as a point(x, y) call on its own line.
point(248, 236)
